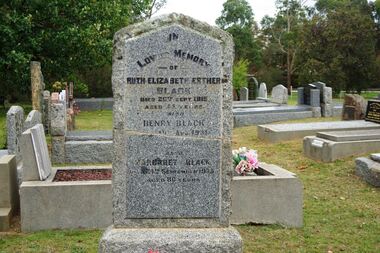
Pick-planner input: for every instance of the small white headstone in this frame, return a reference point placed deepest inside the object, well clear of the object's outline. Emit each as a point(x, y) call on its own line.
point(36, 162)
point(263, 93)
point(280, 94)
point(41, 151)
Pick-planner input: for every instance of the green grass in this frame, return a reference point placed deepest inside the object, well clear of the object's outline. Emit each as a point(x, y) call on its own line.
point(94, 120)
point(341, 212)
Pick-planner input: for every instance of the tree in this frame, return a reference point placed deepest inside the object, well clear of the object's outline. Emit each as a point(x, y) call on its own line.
point(338, 47)
point(67, 37)
point(282, 34)
point(237, 19)
point(239, 77)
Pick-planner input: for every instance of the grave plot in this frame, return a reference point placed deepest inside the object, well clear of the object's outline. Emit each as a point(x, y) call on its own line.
point(330, 146)
point(275, 196)
point(283, 132)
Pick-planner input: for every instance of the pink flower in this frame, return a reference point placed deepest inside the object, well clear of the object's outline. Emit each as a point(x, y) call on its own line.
point(243, 167)
point(252, 158)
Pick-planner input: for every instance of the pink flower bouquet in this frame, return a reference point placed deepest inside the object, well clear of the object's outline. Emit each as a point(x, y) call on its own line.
point(245, 160)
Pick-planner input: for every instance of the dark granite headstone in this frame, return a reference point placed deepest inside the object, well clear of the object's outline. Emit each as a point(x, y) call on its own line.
point(373, 111)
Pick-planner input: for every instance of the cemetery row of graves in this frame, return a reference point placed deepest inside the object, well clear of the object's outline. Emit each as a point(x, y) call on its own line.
point(178, 166)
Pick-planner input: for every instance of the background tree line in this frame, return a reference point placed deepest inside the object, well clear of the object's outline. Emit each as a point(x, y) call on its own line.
point(334, 41)
point(71, 39)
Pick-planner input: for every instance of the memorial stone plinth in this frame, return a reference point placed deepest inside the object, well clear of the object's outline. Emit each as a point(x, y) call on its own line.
point(172, 138)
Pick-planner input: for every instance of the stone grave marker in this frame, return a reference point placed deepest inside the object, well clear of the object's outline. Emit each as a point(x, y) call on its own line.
point(263, 93)
point(38, 85)
point(280, 94)
point(253, 87)
point(33, 118)
point(15, 126)
point(36, 162)
point(244, 94)
point(172, 138)
point(373, 111)
point(354, 107)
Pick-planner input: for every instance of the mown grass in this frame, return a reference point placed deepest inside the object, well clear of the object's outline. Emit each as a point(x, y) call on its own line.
point(94, 120)
point(341, 212)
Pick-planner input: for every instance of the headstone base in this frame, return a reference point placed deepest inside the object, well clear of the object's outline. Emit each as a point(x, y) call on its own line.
point(159, 240)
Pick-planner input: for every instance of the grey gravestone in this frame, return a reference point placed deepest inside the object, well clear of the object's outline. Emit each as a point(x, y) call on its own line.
point(315, 98)
point(172, 138)
point(15, 126)
point(33, 118)
point(263, 93)
point(37, 84)
point(320, 86)
point(46, 111)
point(300, 96)
point(36, 162)
point(327, 104)
point(279, 94)
point(244, 94)
point(58, 124)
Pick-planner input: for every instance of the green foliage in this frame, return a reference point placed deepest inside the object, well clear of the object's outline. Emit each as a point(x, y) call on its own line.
point(282, 38)
point(237, 19)
point(65, 36)
point(338, 47)
point(239, 78)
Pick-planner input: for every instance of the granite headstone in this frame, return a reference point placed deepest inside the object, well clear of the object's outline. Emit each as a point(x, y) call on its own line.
point(36, 161)
point(279, 94)
point(37, 84)
point(172, 138)
point(15, 126)
point(244, 94)
point(373, 111)
point(263, 93)
point(253, 87)
point(34, 117)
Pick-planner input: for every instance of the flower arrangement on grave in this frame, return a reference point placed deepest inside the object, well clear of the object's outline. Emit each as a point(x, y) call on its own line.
point(245, 160)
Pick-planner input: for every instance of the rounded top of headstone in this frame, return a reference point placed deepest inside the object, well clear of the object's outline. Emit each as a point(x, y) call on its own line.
point(170, 19)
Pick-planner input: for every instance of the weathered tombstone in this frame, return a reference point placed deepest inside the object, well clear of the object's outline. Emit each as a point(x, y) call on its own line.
point(33, 118)
point(36, 161)
point(38, 85)
point(58, 128)
point(373, 111)
point(244, 94)
point(320, 86)
point(354, 107)
point(253, 87)
point(279, 94)
point(172, 137)
point(300, 96)
point(369, 169)
point(46, 111)
point(15, 126)
point(327, 102)
point(263, 93)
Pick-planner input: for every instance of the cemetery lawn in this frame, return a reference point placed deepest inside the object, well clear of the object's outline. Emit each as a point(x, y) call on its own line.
point(341, 212)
